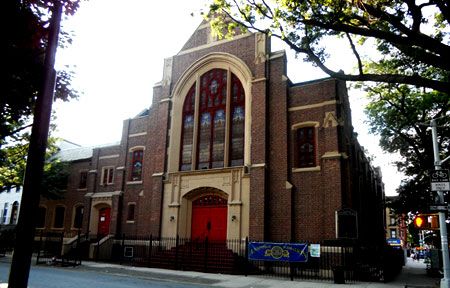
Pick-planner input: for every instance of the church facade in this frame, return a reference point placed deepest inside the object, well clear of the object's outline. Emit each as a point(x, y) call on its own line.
point(230, 148)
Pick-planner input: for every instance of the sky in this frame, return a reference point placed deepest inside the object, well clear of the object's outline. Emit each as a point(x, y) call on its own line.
point(118, 52)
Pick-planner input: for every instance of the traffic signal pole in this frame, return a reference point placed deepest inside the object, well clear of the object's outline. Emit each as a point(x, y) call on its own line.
point(445, 282)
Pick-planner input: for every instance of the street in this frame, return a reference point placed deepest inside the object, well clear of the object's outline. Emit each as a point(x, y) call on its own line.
point(57, 277)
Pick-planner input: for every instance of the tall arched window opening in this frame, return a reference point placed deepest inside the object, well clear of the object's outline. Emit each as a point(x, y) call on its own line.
point(215, 106)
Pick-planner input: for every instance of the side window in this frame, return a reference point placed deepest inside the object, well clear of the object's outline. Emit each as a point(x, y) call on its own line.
point(83, 180)
point(107, 175)
point(136, 165)
point(306, 147)
point(14, 213)
point(131, 211)
point(78, 217)
point(59, 217)
point(40, 223)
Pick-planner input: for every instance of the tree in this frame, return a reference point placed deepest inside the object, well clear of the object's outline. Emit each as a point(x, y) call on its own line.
point(400, 115)
point(12, 168)
point(24, 30)
point(411, 37)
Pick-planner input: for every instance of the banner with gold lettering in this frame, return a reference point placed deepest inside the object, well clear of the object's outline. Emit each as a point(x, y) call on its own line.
point(268, 251)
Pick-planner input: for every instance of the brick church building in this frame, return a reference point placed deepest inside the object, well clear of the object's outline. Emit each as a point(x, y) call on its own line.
point(230, 148)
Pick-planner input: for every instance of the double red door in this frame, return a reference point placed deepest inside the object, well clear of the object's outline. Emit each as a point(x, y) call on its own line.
point(104, 219)
point(209, 218)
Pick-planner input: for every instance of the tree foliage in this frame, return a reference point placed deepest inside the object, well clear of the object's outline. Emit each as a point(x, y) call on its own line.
point(13, 164)
point(400, 115)
point(411, 37)
point(24, 29)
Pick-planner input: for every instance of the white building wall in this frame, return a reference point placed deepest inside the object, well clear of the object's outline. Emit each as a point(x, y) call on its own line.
point(7, 199)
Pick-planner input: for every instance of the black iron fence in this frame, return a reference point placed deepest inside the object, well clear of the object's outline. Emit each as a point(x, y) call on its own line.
point(56, 249)
point(336, 262)
point(333, 261)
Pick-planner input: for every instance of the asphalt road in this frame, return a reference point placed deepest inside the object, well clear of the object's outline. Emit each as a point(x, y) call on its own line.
point(57, 277)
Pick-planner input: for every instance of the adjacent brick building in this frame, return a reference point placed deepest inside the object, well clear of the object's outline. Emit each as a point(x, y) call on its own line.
point(229, 148)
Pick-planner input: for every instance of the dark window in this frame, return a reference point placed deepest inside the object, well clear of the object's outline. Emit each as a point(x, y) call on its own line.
point(212, 122)
point(130, 215)
point(14, 213)
point(59, 217)
point(42, 211)
point(136, 165)
point(306, 149)
point(78, 219)
point(108, 175)
point(83, 180)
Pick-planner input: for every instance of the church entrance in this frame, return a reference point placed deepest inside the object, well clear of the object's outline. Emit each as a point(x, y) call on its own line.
point(104, 219)
point(209, 218)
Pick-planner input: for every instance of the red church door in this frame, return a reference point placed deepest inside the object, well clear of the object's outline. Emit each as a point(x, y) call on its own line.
point(209, 218)
point(104, 218)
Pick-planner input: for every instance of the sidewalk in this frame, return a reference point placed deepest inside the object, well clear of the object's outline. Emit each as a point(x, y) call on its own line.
point(413, 276)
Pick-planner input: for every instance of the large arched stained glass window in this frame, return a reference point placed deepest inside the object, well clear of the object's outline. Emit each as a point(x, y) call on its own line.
point(221, 115)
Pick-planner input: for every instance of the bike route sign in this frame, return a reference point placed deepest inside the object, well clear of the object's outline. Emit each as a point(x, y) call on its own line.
point(440, 180)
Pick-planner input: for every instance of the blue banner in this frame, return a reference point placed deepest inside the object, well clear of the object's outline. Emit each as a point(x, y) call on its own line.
point(288, 252)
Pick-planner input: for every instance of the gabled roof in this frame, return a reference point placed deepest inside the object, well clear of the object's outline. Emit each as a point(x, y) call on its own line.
point(73, 154)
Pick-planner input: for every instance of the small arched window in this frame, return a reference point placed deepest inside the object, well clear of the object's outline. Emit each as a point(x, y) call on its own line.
point(78, 217)
point(305, 147)
point(219, 138)
point(42, 213)
point(137, 159)
point(59, 217)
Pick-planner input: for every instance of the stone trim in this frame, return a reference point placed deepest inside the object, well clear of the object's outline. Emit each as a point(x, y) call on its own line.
point(307, 169)
point(108, 156)
point(164, 100)
point(212, 44)
point(258, 165)
point(334, 154)
point(134, 182)
point(103, 194)
point(158, 174)
point(137, 134)
point(310, 106)
point(259, 79)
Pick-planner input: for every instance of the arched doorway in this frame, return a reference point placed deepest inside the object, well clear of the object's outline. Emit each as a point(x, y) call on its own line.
point(209, 218)
point(104, 219)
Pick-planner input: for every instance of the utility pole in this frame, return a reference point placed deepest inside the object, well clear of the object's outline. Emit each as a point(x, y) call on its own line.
point(23, 248)
point(445, 282)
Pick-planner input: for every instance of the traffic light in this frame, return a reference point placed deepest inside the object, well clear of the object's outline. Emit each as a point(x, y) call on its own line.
point(426, 221)
point(419, 221)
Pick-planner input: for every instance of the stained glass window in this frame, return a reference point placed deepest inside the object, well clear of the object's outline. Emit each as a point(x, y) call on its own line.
point(306, 147)
point(188, 130)
point(212, 123)
point(136, 165)
point(237, 123)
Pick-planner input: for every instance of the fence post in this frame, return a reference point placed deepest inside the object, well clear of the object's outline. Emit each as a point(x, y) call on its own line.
point(122, 249)
point(176, 251)
point(61, 250)
point(39, 248)
point(98, 248)
point(150, 249)
point(247, 262)
point(206, 255)
point(77, 249)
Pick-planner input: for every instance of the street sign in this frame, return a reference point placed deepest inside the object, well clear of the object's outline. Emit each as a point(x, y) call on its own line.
point(440, 180)
point(439, 208)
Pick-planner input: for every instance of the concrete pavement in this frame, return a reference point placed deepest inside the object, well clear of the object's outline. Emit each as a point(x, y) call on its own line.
point(413, 276)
